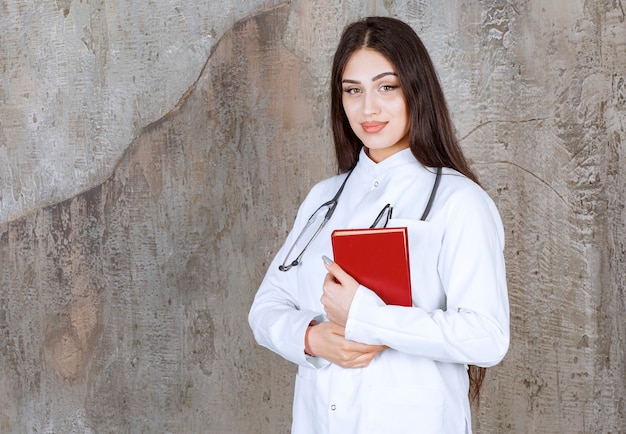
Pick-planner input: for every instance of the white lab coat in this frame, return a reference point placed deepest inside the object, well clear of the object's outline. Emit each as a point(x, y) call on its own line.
point(460, 312)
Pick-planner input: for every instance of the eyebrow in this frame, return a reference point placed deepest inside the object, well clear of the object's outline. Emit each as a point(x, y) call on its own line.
point(377, 77)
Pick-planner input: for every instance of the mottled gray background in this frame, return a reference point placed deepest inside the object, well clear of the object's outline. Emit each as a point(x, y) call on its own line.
point(153, 153)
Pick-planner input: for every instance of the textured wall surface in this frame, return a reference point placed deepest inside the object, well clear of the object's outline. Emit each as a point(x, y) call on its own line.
point(80, 79)
point(151, 159)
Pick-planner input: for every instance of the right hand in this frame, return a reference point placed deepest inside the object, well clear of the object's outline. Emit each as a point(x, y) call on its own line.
point(327, 340)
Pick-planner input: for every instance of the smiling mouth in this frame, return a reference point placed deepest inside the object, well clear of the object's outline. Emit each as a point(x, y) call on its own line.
point(373, 127)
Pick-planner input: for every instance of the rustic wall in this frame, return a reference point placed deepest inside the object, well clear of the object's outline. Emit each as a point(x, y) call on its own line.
point(135, 223)
point(80, 79)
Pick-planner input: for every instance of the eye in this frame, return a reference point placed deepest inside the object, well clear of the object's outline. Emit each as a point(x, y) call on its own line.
point(388, 87)
point(352, 90)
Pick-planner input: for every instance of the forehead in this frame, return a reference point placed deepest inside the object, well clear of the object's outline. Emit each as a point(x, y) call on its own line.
point(367, 63)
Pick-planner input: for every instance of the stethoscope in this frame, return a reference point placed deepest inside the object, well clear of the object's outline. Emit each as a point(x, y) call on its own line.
point(332, 205)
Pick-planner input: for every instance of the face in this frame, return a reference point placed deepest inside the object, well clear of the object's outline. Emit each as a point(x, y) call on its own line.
point(375, 104)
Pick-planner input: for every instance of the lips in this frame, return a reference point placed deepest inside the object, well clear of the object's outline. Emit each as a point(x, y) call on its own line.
point(373, 127)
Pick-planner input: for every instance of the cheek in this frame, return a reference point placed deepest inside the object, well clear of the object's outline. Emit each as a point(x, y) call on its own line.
point(399, 107)
point(402, 113)
point(349, 110)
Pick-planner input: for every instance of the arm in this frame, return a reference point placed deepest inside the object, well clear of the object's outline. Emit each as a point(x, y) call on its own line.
point(473, 327)
point(279, 322)
point(303, 337)
point(276, 318)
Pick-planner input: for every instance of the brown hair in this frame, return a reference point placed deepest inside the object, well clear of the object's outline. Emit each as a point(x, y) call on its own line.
point(431, 136)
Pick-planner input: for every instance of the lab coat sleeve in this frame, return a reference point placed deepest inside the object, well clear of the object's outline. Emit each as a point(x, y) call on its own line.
point(473, 327)
point(276, 318)
point(280, 325)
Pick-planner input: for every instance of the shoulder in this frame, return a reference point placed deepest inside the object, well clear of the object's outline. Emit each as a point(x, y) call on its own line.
point(458, 190)
point(322, 191)
point(461, 199)
point(327, 187)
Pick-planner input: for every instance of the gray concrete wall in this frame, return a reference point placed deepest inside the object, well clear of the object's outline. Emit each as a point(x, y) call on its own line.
point(152, 157)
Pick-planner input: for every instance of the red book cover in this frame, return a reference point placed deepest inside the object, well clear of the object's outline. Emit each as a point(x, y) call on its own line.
point(378, 259)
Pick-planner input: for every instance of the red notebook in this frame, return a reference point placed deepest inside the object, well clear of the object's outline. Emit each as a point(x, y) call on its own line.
point(378, 259)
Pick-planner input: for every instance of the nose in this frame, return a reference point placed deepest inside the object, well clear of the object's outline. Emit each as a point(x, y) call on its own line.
point(370, 104)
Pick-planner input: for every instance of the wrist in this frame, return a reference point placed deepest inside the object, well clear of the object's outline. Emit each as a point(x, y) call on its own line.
point(307, 347)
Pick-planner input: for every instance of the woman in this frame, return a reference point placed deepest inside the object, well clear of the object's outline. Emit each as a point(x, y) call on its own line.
point(367, 367)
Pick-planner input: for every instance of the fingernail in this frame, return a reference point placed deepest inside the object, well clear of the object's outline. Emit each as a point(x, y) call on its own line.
point(326, 260)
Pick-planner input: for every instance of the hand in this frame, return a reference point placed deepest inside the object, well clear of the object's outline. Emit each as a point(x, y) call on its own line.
point(338, 291)
point(327, 340)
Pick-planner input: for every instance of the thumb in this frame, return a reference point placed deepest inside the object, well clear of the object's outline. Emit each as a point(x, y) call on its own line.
point(334, 269)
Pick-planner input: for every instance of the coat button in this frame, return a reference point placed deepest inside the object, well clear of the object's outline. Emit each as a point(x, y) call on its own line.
point(333, 407)
point(375, 184)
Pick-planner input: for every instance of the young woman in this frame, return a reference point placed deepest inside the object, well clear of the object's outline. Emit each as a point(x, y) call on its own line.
point(364, 366)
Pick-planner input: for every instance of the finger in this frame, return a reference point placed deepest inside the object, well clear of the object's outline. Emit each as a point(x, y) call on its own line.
point(324, 298)
point(334, 269)
point(329, 290)
point(362, 360)
point(337, 330)
point(358, 347)
point(328, 280)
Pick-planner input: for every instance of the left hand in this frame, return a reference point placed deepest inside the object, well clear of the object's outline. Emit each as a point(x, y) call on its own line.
point(327, 340)
point(338, 291)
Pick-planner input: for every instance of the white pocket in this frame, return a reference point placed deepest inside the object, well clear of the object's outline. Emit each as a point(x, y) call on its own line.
point(402, 410)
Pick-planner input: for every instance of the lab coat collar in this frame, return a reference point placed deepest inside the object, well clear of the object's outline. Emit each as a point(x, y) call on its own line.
point(401, 158)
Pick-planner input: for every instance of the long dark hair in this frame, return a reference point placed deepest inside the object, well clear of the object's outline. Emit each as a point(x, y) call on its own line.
point(431, 136)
